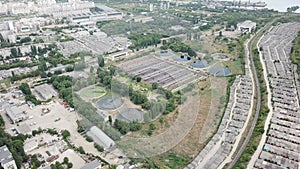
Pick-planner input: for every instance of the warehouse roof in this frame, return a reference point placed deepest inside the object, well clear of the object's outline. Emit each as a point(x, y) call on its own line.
point(100, 137)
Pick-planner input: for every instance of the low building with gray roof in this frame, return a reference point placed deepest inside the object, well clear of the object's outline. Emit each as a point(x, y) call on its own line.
point(130, 115)
point(16, 114)
point(44, 92)
point(92, 165)
point(6, 159)
point(247, 26)
point(100, 138)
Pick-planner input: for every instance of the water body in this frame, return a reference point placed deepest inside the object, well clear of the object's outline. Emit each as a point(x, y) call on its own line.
point(280, 5)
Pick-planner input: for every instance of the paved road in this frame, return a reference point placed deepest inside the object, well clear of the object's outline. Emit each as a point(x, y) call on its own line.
point(249, 50)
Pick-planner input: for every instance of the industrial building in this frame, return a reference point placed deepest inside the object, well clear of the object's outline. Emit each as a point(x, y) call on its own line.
point(16, 114)
point(247, 26)
point(100, 138)
point(44, 92)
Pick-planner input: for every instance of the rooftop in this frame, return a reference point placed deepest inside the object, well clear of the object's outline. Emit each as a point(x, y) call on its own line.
point(100, 137)
point(16, 113)
point(44, 92)
point(5, 155)
point(92, 165)
point(247, 24)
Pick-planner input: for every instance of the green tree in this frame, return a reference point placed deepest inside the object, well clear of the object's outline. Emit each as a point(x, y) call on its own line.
point(58, 72)
point(112, 70)
point(292, 9)
point(66, 134)
point(89, 139)
point(35, 162)
point(70, 165)
point(66, 160)
point(98, 147)
point(24, 87)
point(14, 52)
point(122, 126)
point(43, 66)
point(152, 126)
point(154, 85)
point(110, 120)
point(161, 120)
point(43, 74)
point(101, 61)
point(135, 126)
point(25, 40)
point(138, 79)
point(33, 50)
point(69, 68)
point(2, 123)
point(81, 150)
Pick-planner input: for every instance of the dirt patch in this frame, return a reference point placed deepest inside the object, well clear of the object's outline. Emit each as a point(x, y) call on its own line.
point(211, 109)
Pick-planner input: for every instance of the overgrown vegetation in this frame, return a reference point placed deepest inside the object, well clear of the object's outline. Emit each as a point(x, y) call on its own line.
point(125, 127)
point(295, 53)
point(177, 46)
point(144, 40)
point(64, 86)
point(170, 160)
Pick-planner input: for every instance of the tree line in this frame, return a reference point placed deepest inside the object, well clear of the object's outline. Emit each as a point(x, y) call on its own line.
point(177, 46)
point(144, 40)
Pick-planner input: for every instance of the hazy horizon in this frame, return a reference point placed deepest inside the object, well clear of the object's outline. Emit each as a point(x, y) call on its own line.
point(280, 5)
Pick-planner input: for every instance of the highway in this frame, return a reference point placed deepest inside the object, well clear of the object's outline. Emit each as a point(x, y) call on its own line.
point(248, 51)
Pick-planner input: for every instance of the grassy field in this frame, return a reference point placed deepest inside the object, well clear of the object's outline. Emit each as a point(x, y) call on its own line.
point(93, 92)
point(181, 155)
point(295, 55)
point(234, 66)
point(5, 83)
point(211, 108)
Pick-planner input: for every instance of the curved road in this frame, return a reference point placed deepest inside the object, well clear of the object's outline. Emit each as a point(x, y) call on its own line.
point(258, 94)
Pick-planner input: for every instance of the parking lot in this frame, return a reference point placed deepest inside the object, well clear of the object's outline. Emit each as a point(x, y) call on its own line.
point(58, 117)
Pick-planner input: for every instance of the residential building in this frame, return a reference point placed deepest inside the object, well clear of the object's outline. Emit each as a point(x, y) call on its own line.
point(6, 159)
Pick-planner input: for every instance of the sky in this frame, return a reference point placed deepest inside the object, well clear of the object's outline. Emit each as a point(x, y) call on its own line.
point(280, 5)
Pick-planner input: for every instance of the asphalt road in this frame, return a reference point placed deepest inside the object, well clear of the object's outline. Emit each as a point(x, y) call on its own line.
point(258, 94)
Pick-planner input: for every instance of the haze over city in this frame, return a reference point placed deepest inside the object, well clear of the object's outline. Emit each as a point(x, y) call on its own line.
point(147, 84)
